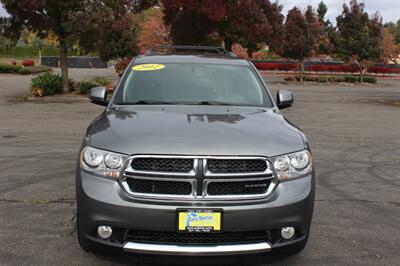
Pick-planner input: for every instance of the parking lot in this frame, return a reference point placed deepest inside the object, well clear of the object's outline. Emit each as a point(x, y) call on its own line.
point(354, 132)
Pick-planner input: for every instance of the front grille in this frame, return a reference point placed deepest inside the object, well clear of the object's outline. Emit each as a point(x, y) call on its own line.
point(159, 187)
point(176, 165)
point(167, 237)
point(243, 187)
point(198, 178)
point(236, 166)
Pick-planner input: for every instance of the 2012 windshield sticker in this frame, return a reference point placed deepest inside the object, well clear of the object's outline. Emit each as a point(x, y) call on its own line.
point(148, 67)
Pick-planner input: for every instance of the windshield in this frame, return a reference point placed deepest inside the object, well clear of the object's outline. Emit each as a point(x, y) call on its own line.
point(192, 83)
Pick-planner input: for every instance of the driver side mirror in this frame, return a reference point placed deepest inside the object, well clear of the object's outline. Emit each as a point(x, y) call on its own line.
point(284, 99)
point(98, 95)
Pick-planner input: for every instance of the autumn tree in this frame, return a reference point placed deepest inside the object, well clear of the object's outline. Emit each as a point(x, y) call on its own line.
point(101, 25)
point(110, 30)
point(359, 36)
point(152, 29)
point(397, 34)
point(41, 17)
point(274, 38)
point(394, 29)
point(193, 22)
point(302, 35)
point(391, 51)
point(247, 22)
point(328, 31)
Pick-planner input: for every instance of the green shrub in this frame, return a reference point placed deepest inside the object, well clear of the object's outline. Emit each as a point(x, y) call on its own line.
point(46, 84)
point(24, 71)
point(103, 82)
point(84, 86)
point(370, 80)
point(38, 69)
point(351, 79)
point(336, 79)
point(310, 78)
point(322, 79)
point(9, 68)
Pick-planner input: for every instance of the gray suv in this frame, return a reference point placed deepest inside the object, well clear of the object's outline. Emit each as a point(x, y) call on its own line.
point(192, 156)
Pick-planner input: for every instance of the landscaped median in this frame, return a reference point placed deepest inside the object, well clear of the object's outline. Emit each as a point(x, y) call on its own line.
point(332, 79)
point(49, 83)
point(22, 69)
point(328, 67)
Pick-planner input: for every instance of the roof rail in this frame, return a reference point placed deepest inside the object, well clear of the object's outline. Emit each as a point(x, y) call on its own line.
point(189, 48)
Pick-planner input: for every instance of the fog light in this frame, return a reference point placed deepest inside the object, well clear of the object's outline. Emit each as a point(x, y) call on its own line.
point(287, 232)
point(104, 231)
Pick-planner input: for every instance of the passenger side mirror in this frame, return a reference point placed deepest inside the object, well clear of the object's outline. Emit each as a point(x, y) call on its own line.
point(98, 95)
point(284, 99)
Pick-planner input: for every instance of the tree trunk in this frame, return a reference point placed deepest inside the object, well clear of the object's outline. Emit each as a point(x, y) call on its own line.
point(64, 65)
point(362, 66)
point(362, 69)
point(302, 71)
point(228, 44)
point(361, 74)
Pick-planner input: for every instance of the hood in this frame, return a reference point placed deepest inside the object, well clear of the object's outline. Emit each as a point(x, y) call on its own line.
point(194, 130)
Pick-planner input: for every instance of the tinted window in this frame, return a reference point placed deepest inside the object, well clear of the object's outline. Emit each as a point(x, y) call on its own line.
point(194, 83)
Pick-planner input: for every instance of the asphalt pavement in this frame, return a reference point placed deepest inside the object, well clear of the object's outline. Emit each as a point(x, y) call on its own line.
point(354, 134)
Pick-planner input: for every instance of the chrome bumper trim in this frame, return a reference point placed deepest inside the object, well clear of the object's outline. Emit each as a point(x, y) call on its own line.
point(189, 250)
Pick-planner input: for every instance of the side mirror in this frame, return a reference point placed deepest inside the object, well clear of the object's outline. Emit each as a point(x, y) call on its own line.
point(98, 95)
point(284, 99)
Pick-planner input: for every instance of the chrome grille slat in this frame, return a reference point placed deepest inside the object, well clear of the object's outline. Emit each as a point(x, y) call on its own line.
point(254, 170)
point(127, 187)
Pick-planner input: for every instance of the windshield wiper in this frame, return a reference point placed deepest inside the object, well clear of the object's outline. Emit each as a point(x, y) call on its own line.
point(150, 102)
point(213, 103)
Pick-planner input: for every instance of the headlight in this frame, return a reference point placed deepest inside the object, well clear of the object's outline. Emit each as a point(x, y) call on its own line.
point(293, 165)
point(102, 163)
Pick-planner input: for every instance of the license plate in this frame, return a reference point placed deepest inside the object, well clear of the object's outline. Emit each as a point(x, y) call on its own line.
point(199, 220)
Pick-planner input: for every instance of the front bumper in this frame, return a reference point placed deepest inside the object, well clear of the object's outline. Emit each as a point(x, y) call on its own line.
point(204, 250)
point(102, 202)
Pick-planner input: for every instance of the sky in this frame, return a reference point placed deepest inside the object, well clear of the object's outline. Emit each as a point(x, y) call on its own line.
point(389, 9)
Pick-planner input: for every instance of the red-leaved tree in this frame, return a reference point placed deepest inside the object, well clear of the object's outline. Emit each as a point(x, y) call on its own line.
point(391, 51)
point(360, 36)
point(247, 22)
point(42, 17)
point(101, 25)
point(110, 29)
point(302, 35)
point(153, 30)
